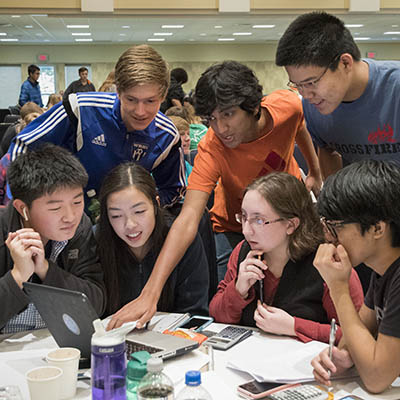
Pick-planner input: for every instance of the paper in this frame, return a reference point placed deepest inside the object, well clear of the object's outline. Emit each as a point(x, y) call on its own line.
point(159, 323)
point(131, 324)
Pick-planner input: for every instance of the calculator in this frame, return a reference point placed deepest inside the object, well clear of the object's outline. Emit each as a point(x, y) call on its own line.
point(228, 337)
point(302, 392)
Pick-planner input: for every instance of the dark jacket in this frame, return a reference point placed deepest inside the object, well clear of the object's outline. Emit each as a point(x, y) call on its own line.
point(77, 87)
point(77, 268)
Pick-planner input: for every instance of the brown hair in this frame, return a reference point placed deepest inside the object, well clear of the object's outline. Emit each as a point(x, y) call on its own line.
point(28, 108)
point(181, 124)
point(141, 65)
point(290, 198)
point(109, 84)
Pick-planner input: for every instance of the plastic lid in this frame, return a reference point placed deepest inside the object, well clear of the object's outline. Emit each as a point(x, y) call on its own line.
point(193, 378)
point(154, 364)
point(136, 369)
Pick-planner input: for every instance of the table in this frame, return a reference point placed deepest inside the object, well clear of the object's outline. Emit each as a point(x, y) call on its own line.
point(25, 350)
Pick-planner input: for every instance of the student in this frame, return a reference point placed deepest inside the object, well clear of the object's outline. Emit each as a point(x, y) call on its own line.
point(282, 232)
point(350, 104)
point(45, 236)
point(132, 230)
point(360, 209)
point(30, 89)
point(249, 135)
point(80, 85)
point(175, 94)
point(105, 129)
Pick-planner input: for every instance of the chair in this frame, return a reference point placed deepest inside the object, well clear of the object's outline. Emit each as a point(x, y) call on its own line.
point(11, 118)
point(3, 128)
point(3, 113)
point(15, 109)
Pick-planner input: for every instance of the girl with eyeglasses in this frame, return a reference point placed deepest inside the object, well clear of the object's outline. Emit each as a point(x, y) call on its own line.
point(271, 282)
point(131, 232)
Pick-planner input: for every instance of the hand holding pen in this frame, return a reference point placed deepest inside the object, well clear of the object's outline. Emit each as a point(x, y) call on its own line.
point(251, 270)
point(332, 339)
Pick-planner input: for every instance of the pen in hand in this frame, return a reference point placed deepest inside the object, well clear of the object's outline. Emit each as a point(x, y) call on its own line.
point(332, 338)
point(261, 283)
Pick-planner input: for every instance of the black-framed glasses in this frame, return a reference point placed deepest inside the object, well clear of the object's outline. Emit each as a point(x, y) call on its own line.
point(255, 221)
point(314, 83)
point(331, 226)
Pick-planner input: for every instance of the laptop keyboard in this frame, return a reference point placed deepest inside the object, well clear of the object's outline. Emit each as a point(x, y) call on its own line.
point(132, 347)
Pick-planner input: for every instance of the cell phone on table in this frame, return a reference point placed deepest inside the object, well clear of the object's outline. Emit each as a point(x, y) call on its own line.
point(196, 323)
point(258, 390)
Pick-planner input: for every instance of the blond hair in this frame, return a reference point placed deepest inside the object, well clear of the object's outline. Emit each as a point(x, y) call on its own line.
point(181, 124)
point(141, 65)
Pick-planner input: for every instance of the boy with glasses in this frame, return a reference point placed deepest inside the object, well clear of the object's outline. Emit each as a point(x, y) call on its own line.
point(360, 209)
point(350, 104)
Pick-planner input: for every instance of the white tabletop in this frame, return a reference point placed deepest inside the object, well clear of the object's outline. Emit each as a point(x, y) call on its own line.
point(23, 351)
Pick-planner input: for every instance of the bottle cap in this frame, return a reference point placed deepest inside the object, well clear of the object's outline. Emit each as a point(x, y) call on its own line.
point(193, 378)
point(136, 369)
point(154, 364)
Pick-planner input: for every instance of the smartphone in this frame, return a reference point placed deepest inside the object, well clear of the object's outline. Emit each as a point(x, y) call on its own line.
point(196, 323)
point(258, 390)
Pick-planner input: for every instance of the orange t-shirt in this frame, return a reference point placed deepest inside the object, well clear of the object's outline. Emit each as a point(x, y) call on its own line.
point(234, 169)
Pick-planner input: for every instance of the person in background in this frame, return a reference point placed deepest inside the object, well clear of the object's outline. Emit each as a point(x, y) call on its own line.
point(183, 129)
point(109, 84)
point(53, 100)
point(105, 129)
point(282, 232)
point(175, 94)
point(131, 232)
point(249, 135)
point(81, 85)
point(46, 238)
point(30, 89)
point(360, 209)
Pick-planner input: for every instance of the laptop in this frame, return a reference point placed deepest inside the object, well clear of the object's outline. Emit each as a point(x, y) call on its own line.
point(69, 317)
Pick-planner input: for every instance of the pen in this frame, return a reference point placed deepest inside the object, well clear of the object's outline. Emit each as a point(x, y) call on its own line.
point(211, 355)
point(261, 284)
point(332, 338)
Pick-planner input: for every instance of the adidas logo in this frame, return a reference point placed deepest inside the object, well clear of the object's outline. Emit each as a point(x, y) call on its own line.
point(99, 140)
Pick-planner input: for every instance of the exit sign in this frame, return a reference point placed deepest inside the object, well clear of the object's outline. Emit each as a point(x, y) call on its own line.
point(43, 58)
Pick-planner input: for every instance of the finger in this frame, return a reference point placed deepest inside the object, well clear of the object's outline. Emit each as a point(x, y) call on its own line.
point(144, 319)
point(320, 379)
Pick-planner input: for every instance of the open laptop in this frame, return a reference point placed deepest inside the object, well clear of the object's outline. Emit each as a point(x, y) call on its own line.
point(69, 317)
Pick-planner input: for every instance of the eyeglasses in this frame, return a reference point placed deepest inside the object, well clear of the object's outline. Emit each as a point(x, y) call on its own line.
point(255, 221)
point(331, 226)
point(314, 83)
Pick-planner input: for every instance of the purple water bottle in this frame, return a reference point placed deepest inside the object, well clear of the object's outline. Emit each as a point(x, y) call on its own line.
point(108, 364)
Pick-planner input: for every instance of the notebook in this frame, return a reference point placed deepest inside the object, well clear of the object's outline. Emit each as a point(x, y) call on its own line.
point(69, 316)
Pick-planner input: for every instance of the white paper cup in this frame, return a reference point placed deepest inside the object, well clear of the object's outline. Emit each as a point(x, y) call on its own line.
point(44, 383)
point(66, 358)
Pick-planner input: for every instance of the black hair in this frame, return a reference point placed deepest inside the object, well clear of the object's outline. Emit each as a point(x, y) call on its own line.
point(226, 85)
point(82, 69)
point(180, 75)
point(33, 68)
point(44, 170)
point(364, 192)
point(315, 38)
point(113, 251)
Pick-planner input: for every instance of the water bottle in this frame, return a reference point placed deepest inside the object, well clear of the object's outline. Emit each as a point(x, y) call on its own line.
point(193, 389)
point(108, 364)
point(135, 371)
point(155, 385)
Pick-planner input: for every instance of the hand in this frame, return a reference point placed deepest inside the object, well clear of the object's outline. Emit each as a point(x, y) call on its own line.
point(314, 182)
point(141, 309)
point(250, 271)
point(21, 254)
point(324, 366)
point(333, 264)
point(274, 320)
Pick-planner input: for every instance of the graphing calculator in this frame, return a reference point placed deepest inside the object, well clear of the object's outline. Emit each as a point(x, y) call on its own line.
point(228, 337)
point(301, 392)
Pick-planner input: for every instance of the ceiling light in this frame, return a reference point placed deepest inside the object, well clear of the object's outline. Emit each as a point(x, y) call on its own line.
point(81, 34)
point(15, 16)
point(8, 40)
point(362, 38)
point(203, 34)
point(395, 26)
point(391, 33)
point(125, 26)
point(191, 40)
point(77, 26)
point(3, 34)
point(173, 26)
point(39, 15)
point(218, 26)
point(28, 26)
point(353, 25)
point(263, 26)
point(122, 34)
point(84, 40)
point(162, 33)
point(156, 40)
point(226, 39)
point(241, 33)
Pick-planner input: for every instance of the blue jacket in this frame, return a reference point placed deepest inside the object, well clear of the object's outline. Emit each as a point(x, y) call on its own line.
point(90, 126)
point(30, 92)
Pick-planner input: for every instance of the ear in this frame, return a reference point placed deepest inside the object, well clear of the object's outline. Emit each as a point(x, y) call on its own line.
point(21, 208)
point(292, 225)
point(379, 229)
point(347, 60)
point(158, 200)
